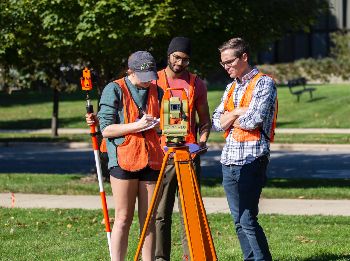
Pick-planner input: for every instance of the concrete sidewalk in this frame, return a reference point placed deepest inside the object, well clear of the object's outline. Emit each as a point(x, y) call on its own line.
point(278, 130)
point(218, 146)
point(274, 146)
point(212, 205)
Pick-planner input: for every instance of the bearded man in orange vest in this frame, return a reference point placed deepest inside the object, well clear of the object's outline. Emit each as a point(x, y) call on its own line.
point(176, 75)
point(247, 114)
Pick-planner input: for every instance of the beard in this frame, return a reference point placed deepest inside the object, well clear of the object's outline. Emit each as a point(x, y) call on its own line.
point(176, 70)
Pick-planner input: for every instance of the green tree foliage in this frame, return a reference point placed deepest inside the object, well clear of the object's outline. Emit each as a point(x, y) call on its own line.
point(44, 39)
point(41, 36)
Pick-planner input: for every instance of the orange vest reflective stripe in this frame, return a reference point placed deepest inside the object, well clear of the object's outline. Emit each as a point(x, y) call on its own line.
point(163, 83)
point(241, 135)
point(139, 149)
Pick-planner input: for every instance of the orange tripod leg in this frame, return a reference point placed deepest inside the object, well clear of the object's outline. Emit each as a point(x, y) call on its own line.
point(151, 207)
point(200, 242)
point(198, 233)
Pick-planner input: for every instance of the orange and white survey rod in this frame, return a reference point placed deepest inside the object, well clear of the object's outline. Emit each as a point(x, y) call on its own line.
point(86, 85)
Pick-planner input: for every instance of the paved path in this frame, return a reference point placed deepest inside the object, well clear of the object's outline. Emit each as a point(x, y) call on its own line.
point(287, 160)
point(215, 146)
point(278, 130)
point(212, 205)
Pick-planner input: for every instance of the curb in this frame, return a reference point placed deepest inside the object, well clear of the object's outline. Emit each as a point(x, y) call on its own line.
point(213, 146)
point(310, 147)
point(278, 130)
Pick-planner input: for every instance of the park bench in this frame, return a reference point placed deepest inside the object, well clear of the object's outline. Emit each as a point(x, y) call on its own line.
point(297, 87)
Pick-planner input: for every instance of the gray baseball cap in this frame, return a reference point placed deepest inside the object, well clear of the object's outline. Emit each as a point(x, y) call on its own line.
point(144, 66)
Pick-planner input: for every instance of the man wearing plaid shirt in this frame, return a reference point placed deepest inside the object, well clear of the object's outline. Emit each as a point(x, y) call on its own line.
point(247, 115)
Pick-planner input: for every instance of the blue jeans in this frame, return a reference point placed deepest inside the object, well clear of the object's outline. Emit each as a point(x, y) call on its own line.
point(243, 185)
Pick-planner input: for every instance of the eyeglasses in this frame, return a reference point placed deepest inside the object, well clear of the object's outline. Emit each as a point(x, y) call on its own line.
point(229, 63)
point(185, 61)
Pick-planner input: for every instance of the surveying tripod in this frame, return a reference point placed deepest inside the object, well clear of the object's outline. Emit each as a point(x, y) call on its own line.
point(200, 242)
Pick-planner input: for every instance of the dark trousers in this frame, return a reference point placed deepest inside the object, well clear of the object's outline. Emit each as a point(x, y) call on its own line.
point(243, 186)
point(165, 210)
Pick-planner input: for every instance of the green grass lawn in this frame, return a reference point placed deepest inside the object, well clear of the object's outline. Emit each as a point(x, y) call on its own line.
point(328, 109)
point(32, 110)
point(59, 234)
point(87, 185)
point(33, 137)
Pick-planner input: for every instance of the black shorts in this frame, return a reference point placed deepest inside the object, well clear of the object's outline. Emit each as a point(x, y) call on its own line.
point(146, 174)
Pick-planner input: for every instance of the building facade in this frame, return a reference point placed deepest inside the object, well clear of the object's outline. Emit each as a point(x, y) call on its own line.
point(316, 43)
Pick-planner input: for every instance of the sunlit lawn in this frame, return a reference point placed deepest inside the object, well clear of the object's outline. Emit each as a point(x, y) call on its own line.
point(40, 234)
point(60, 184)
point(32, 110)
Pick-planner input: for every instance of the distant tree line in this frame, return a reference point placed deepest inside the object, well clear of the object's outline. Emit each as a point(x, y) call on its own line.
point(47, 41)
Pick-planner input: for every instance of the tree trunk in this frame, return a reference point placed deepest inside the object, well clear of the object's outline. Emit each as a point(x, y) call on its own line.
point(54, 120)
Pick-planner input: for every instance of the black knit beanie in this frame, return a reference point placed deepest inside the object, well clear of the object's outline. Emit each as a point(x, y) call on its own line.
point(180, 44)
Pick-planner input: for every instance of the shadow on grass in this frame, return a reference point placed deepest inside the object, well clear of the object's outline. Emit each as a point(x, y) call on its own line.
point(211, 182)
point(33, 124)
point(316, 99)
point(290, 183)
point(286, 123)
point(26, 97)
point(328, 257)
point(307, 183)
point(59, 139)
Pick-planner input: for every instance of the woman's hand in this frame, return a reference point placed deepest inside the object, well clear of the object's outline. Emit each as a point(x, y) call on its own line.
point(145, 121)
point(91, 119)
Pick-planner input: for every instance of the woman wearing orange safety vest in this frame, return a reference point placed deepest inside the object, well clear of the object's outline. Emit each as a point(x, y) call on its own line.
point(129, 109)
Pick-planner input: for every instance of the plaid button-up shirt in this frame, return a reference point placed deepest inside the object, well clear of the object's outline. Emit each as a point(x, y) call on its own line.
point(259, 114)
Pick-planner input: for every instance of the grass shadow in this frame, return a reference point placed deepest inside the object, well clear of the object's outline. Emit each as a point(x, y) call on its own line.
point(30, 124)
point(307, 183)
point(211, 182)
point(328, 257)
point(316, 99)
point(33, 124)
point(289, 183)
point(28, 97)
point(285, 123)
point(60, 139)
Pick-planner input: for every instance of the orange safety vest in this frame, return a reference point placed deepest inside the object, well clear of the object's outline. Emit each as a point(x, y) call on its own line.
point(163, 83)
point(142, 148)
point(241, 135)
